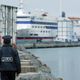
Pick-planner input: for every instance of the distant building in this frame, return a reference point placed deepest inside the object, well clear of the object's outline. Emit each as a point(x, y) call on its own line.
point(8, 10)
point(68, 29)
point(76, 22)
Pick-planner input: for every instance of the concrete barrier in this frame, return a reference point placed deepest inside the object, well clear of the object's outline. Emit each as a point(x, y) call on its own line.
point(50, 44)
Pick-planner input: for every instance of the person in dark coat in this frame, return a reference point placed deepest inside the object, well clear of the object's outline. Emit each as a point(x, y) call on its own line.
point(9, 60)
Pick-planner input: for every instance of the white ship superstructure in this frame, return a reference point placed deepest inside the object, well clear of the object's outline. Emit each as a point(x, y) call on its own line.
point(65, 29)
point(40, 27)
point(68, 28)
point(76, 26)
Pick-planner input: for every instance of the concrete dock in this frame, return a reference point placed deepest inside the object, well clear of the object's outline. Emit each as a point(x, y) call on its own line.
point(32, 66)
point(50, 45)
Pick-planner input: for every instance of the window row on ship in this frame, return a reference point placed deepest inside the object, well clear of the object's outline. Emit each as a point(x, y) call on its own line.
point(45, 27)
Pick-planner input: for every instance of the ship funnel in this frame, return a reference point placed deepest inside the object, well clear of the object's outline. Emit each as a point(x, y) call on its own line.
point(63, 14)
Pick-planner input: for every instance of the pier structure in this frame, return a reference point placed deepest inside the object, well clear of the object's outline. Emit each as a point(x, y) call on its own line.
point(32, 67)
point(8, 11)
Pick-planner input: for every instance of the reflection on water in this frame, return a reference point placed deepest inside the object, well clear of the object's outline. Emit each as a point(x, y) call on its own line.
point(64, 62)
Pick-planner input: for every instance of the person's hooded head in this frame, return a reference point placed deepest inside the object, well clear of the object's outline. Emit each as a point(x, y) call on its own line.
point(7, 39)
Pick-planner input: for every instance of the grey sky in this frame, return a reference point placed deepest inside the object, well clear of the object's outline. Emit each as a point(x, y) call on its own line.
point(10, 2)
point(71, 7)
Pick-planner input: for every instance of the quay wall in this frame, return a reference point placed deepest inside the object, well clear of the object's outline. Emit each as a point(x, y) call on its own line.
point(50, 44)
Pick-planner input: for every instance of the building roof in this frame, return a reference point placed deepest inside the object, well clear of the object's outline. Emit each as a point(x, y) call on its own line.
point(74, 18)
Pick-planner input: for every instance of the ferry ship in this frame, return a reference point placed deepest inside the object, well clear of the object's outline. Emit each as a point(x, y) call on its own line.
point(39, 26)
point(36, 27)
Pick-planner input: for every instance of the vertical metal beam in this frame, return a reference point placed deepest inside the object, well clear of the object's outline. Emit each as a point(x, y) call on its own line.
point(9, 21)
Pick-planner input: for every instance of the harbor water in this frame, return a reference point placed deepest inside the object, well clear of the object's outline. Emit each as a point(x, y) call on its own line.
point(64, 62)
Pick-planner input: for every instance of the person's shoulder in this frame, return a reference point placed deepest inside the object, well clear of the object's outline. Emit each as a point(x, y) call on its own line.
point(15, 50)
point(0, 48)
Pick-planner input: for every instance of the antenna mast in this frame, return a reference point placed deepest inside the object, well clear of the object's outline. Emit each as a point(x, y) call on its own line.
point(60, 5)
point(21, 4)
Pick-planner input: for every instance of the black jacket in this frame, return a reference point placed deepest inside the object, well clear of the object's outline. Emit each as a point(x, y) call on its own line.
point(9, 59)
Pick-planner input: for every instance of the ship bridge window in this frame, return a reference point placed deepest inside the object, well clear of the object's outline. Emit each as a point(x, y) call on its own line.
point(41, 31)
point(23, 17)
point(48, 31)
point(38, 26)
point(32, 26)
point(31, 34)
point(35, 26)
point(44, 26)
point(45, 31)
point(51, 27)
point(35, 34)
